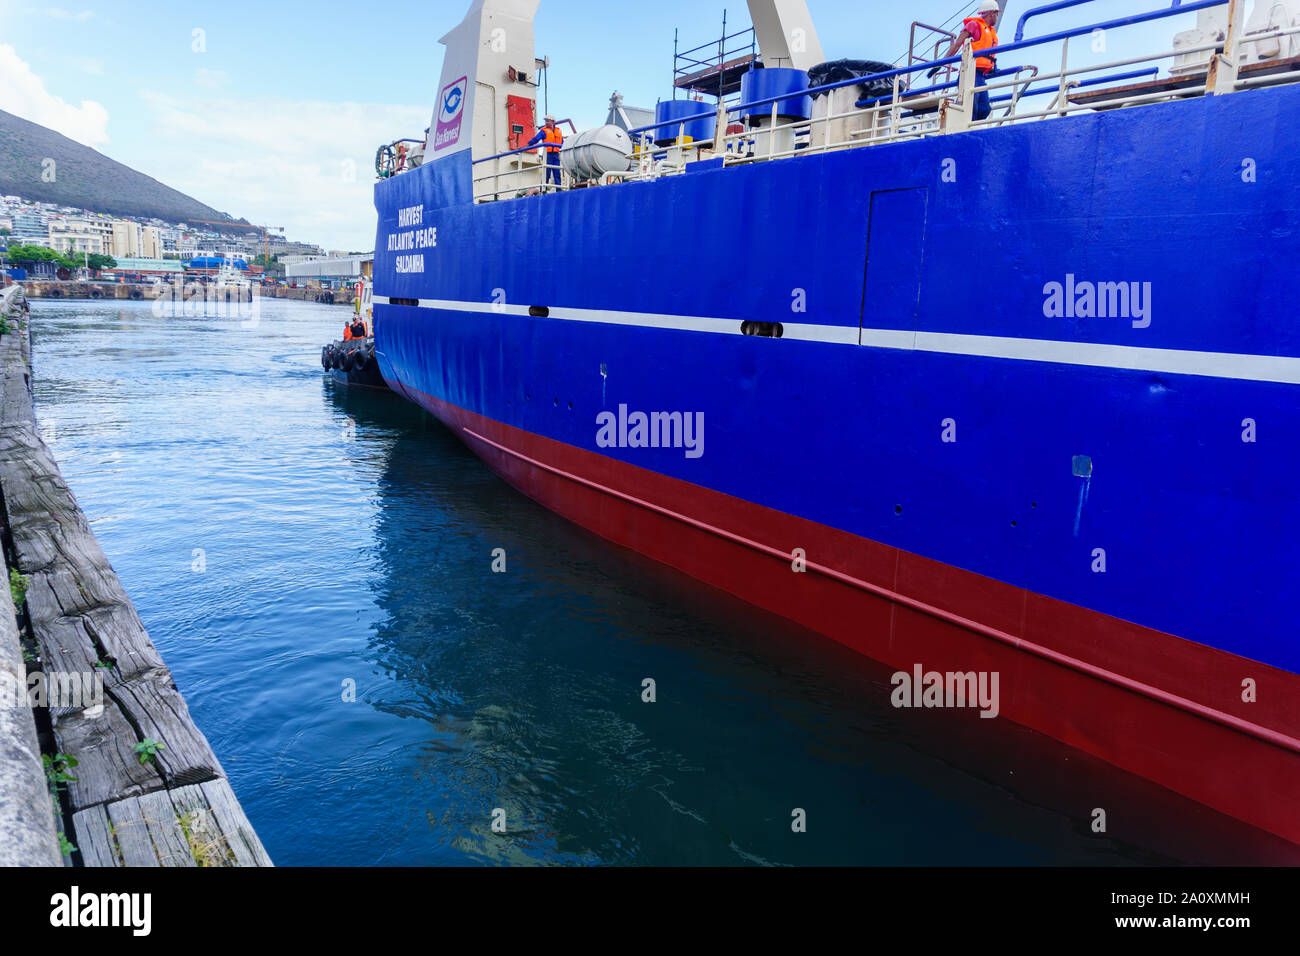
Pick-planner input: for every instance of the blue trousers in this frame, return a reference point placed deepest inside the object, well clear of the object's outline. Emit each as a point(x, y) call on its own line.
point(982, 106)
point(552, 167)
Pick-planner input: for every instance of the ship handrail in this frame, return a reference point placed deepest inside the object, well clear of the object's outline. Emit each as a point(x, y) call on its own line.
point(1127, 99)
point(1048, 8)
point(1056, 37)
point(897, 103)
point(1031, 91)
point(1064, 5)
point(888, 118)
point(513, 152)
point(1095, 81)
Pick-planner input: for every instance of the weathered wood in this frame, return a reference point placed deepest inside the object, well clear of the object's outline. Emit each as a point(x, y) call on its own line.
point(27, 834)
point(94, 837)
point(87, 627)
point(218, 826)
point(169, 843)
point(137, 831)
point(16, 387)
point(108, 769)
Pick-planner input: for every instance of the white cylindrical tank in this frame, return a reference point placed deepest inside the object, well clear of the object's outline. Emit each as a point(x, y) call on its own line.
point(592, 154)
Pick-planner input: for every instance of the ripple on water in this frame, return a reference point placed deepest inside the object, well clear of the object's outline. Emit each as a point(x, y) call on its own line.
point(290, 546)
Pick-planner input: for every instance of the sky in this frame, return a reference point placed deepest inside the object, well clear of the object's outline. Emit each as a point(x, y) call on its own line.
point(272, 110)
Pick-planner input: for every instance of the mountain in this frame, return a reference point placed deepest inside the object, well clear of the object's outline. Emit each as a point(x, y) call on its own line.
point(88, 179)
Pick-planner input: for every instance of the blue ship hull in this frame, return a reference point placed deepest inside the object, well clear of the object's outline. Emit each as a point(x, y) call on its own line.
point(1053, 365)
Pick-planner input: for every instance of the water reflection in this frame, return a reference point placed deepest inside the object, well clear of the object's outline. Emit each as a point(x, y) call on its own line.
point(531, 682)
point(348, 542)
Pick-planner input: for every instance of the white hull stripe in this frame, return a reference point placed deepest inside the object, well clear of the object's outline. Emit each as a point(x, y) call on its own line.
point(1234, 365)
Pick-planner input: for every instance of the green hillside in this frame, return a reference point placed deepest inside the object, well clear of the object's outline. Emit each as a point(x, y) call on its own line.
point(87, 179)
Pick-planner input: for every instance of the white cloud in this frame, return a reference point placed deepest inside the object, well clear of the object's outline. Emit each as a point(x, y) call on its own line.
point(60, 14)
point(307, 166)
point(23, 93)
point(211, 79)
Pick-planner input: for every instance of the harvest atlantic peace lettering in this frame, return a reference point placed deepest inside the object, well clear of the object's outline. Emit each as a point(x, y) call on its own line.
point(414, 238)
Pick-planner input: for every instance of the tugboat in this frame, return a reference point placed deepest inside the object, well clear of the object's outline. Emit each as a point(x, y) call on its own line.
point(351, 360)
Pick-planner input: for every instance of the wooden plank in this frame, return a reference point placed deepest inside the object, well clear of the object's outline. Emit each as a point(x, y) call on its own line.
point(165, 830)
point(15, 362)
point(129, 811)
point(239, 833)
point(148, 833)
point(158, 711)
point(93, 837)
point(107, 768)
point(208, 843)
point(131, 833)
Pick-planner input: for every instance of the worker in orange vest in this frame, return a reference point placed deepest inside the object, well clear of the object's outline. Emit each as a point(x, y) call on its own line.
point(554, 141)
point(980, 30)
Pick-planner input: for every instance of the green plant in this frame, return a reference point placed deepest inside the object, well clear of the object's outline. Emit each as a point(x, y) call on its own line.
point(18, 583)
point(65, 846)
point(147, 749)
point(57, 767)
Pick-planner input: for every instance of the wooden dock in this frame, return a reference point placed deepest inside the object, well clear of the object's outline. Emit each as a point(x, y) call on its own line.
point(136, 291)
point(174, 808)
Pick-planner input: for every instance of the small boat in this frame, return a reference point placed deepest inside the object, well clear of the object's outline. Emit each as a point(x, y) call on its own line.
point(228, 277)
point(351, 360)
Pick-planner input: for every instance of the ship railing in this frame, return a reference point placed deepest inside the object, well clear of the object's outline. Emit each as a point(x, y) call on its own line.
point(947, 107)
point(522, 179)
point(908, 112)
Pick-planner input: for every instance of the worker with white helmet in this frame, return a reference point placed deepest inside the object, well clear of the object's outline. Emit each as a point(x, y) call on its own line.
point(554, 141)
point(980, 31)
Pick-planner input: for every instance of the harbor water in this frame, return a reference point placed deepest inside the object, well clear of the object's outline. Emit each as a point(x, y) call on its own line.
point(391, 651)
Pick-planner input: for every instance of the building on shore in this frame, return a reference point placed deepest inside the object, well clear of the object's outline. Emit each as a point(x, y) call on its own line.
point(151, 243)
point(76, 236)
point(31, 227)
point(148, 268)
point(329, 271)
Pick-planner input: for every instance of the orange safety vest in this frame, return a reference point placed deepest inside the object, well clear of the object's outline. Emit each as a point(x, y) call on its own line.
point(347, 334)
point(554, 138)
point(986, 38)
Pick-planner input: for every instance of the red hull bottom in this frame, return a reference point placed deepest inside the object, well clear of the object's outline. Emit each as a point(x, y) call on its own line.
point(1150, 703)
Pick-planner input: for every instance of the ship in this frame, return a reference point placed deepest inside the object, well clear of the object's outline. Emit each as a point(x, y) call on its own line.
point(1014, 395)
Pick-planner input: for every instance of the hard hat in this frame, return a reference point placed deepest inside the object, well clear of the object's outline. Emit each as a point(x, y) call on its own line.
point(990, 6)
point(549, 118)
